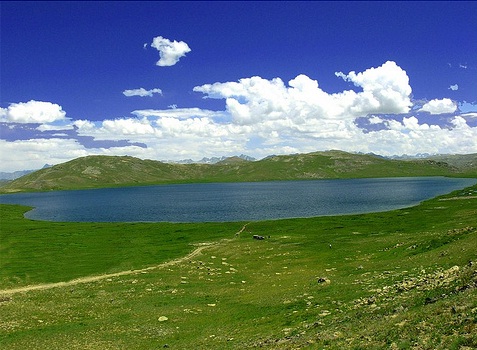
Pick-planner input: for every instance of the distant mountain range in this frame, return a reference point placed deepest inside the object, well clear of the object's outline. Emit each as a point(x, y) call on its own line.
point(115, 171)
point(17, 174)
point(213, 160)
point(14, 175)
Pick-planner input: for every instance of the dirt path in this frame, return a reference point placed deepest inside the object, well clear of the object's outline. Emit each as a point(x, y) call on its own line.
point(89, 279)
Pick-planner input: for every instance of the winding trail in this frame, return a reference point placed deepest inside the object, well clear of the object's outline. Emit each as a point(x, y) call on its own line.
point(88, 279)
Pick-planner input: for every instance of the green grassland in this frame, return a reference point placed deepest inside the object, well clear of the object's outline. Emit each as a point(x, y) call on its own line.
point(111, 171)
point(404, 279)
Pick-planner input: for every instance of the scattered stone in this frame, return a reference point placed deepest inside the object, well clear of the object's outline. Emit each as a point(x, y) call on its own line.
point(325, 313)
point(401, 324)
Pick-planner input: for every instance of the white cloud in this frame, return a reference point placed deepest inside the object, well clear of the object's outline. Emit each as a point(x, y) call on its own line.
point(385, 89)
point(141, 92)
point(437, 106)
point(180, 113)
point(35, 153)
point(114, 129)
point(32, 112)
point(55, 126)
point(469, 115)
point(128, 126)
point(375, 120)
point(169, 51)
point(410, 138)
point(262, 117)
point(454, 87)
point(254, 100)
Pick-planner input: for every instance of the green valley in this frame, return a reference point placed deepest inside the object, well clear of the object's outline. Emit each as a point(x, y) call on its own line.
point(403, 279)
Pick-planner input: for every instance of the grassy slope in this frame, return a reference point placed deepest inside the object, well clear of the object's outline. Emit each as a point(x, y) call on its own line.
point(388, 281)
point(104, 171)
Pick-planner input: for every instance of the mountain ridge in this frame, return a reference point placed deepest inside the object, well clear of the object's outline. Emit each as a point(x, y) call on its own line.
point(115, 171)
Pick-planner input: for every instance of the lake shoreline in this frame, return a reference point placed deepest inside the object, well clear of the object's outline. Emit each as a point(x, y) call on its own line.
point(235, 202)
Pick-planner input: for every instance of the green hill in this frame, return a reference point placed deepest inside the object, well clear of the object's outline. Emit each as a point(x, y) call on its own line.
point(111, 171)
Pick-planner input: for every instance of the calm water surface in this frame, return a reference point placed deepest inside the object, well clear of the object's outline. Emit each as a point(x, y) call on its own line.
point(244, 201)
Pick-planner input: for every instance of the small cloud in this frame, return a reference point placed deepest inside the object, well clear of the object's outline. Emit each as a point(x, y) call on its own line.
point(145, 46)
point(179, 113)
point(472, 115)
point(375, 120)
point(56, 126)
point(141, 92)
point(454, 87)
point(169, 51)
point(32, 112)
point(174, 106)
point(437, 106)
point(463, 66)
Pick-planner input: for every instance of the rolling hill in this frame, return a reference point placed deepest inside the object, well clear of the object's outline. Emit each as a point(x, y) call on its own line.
point(113, 171)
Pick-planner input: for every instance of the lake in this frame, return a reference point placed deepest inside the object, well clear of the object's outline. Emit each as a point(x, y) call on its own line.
point(244, 201)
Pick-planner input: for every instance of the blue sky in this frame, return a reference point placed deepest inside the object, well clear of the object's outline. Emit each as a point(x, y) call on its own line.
point(177, 80)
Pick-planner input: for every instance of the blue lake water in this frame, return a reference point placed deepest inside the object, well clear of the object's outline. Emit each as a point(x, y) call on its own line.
point(220, 202)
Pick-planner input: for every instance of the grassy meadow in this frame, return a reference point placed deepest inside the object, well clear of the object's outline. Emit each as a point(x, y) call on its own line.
point(404, 279)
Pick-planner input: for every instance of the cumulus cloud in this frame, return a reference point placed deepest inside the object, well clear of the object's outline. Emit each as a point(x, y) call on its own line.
point(112, 128)
point(385, 89)
point(253, 100)
point(454, 87)
point(142, 92)
point(169, 51)
point(32, 112)
point(437, 106)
